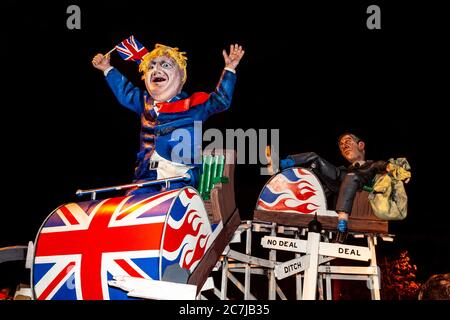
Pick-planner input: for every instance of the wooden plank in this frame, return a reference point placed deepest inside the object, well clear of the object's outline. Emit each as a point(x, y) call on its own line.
point(291, 267)
point(328, 223)
point(222, 203)
point(348, 270)
point(361, 207)
point(281, 243)
point(250, 259)
point(344, 251)
point(204, 268)
point(209, 210)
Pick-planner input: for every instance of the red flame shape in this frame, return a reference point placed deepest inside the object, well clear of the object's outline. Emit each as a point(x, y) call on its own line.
point(189, 194)
point(198, 253)
point(281, 206)
point(303, 172)
point(302, 193)
point(305, 192)
point(174, 237)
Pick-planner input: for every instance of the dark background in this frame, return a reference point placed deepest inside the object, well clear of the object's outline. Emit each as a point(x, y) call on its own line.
point(311, 69)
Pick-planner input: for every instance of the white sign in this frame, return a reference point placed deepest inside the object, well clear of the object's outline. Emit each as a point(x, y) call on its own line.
point(325, 249)
point(287, 244)
point(344, 251)
point(291, 267)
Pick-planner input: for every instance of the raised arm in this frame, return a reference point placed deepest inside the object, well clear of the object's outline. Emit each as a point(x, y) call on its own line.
point(126, 93)
point(220, 99)
point(232, 60)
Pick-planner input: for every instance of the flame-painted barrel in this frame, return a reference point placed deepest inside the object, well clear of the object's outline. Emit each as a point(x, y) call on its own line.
point(81, 246)
point(295, 190)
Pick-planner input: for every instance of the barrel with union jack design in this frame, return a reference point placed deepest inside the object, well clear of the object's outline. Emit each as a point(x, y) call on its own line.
point(81, 246)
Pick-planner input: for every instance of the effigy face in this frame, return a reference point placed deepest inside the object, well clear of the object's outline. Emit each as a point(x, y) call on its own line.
point(82, 246)
point(164, 78)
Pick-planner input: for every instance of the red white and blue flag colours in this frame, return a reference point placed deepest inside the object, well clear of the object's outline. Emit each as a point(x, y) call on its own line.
point(131, 49)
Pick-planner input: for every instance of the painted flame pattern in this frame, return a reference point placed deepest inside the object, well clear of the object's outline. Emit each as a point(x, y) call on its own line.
point(188, 241)
point(301, 190)
point(282, 194)
point(177, 236)
point(282, 205)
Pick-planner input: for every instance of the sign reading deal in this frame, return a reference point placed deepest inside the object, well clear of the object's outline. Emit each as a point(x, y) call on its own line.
point(344, 251)
point(336, 250)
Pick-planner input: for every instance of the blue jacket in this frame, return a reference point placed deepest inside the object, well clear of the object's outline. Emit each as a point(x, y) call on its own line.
point(156, 129)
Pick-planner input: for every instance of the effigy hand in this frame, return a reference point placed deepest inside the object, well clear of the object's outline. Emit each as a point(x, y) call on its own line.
point(101, 62)
point(268, 154)
point(236, 54)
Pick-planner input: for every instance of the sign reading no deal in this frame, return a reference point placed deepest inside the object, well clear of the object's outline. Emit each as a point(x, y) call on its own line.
point(287, 244)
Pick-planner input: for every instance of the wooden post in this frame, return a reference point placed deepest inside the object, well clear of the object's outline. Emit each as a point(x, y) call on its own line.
point(223, 287)
point(375, 278)
point(248, 251)
point(329, 293)
point(320, 287)
point(309, 291)
point(272, 257)
point(298, 276)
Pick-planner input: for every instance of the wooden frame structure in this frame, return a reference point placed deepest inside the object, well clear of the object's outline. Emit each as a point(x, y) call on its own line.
point(311, 265)
point(233, 262)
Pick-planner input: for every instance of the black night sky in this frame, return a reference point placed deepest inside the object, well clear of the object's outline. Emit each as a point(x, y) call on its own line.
point(312, 70)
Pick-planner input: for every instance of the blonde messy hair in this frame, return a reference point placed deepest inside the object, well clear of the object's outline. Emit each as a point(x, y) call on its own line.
point(162, 50)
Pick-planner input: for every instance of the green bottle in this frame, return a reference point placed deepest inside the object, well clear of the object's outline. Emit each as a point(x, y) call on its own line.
point(202, 178)
point(207, 174)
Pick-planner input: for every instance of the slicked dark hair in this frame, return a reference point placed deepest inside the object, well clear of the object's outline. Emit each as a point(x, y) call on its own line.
point(354, 136)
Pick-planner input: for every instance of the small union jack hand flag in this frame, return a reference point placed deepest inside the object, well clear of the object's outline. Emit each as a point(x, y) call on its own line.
point(131, 49)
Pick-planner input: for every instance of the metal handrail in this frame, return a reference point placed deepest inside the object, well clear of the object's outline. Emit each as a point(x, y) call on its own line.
point(167, 181)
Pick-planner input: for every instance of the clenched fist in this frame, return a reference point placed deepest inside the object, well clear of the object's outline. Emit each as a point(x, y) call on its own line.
point(101, 62)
